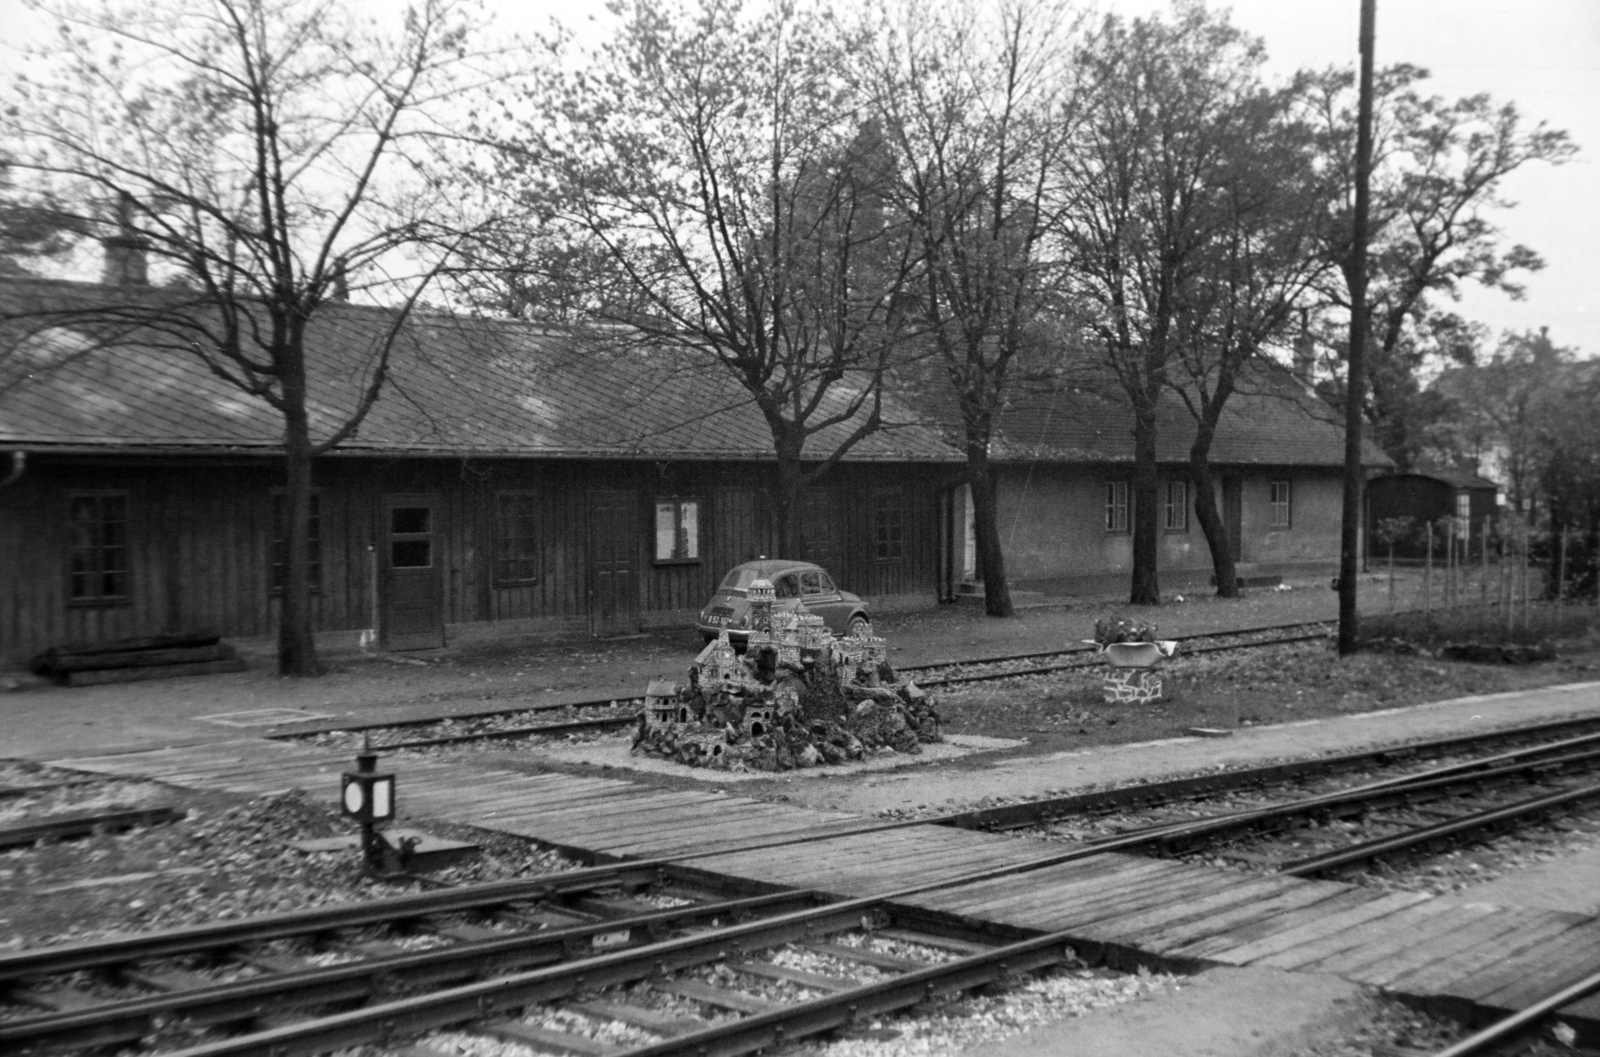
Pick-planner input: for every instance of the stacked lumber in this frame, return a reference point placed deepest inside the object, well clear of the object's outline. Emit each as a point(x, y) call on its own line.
point(132, 660)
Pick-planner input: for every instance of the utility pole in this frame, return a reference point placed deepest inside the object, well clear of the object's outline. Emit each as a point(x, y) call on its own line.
point(1356, 378)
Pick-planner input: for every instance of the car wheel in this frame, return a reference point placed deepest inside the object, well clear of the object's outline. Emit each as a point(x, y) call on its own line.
point(858, 623)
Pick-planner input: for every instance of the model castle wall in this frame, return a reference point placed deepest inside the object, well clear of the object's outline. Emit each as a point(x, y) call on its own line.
point(797, 697)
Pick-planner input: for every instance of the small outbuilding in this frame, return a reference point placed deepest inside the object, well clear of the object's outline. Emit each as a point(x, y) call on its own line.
point(1428, 495)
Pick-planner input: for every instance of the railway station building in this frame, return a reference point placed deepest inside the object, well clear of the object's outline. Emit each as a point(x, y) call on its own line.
point(514, 479)
point(1064, 463)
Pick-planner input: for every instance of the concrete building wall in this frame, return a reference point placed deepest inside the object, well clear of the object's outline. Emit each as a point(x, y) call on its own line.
point(1053, 522)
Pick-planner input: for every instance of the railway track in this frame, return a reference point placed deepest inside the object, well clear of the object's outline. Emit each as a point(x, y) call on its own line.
point(569, 947)
point(261, 986)
point(1508, 1030)
point(615, 713)
point(516, 960)
point(1414, 812)
point(66, 826)
point(1080, 657)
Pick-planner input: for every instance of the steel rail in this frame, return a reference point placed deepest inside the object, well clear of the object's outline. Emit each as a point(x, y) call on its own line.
point(1194, 636)
point(1405, 786)
point(63, 827)
point(7, 792)
point(982, 677)
point(761, 1030)
point(575, 726)
point(1479, 820)
point(1036, 812)
point(847, 907)
point(124, 948)
point(1479, 1042)
point(127, 1019)
point(416, 1013)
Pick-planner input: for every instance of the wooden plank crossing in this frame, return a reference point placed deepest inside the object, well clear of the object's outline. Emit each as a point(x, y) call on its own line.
point(1468, 960)
point(606, 816)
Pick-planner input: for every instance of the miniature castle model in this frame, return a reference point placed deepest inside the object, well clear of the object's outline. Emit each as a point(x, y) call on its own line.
point(796, 698)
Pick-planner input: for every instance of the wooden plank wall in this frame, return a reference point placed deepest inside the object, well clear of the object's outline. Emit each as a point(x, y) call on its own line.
point(200, 540)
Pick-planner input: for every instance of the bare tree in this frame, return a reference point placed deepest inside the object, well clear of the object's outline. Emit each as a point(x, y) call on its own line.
point(1438, 167)
point(721, 160)
point(1146, 181)
point(33, 229)
point(976, 101)
point(1254, 271)
point(258, 158)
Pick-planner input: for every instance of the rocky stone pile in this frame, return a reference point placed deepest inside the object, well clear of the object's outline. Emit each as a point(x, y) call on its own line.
point(797, 697)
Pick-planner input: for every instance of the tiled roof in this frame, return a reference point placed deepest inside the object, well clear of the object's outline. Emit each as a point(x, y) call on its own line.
point(1272, 420)
point(468, 386)
point(1452, 477)
point(458, 385)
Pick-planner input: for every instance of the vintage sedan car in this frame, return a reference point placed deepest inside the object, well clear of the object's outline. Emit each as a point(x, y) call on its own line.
point(794, 583)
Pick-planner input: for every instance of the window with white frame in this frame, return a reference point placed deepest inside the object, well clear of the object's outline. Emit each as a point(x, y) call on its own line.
point(677, 530)
point(1278, 502)
point(1175, 509)
point(889, 525)
point(99, 525)
point(517, 558)
point(1116, 506)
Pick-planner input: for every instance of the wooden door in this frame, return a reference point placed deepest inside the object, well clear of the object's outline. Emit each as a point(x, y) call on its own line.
point(1233, 515)
point(413, 573)
point(613, 563)
point(819, 527)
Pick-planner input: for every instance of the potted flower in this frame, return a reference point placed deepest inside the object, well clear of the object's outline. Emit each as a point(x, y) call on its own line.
point(1131, 648)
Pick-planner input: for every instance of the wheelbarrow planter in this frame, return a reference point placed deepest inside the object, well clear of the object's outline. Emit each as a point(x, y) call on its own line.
point(1132, 676)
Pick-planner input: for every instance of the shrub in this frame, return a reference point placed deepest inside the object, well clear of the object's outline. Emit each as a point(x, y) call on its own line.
point(1479, 624)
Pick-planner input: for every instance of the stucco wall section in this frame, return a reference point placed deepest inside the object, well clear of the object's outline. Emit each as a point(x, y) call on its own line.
point(1052, 522)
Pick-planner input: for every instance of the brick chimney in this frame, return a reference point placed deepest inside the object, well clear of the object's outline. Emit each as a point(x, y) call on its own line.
point(1305, 352)
point(125, 260)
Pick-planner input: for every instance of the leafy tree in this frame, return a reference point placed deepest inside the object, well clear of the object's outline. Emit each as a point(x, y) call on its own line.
point(720, 162)
point(1496, 411)
point(1153, 211)
point(262, 156)
point(977, 105)
point(1438, 167)
point(1568, 470)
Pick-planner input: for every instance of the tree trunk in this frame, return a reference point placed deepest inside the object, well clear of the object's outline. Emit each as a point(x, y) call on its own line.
point(1146, 587)
point(986, 528)
point(297, 649)
point(1205, 509)
point(786, 513)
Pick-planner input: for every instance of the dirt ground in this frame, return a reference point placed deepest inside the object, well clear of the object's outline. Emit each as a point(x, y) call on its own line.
point(1226, 691)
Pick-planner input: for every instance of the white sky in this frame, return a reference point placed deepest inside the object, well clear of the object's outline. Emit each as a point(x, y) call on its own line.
point(1544, 55)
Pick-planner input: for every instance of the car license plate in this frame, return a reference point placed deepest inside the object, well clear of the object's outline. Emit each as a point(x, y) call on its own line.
point(720, 616)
